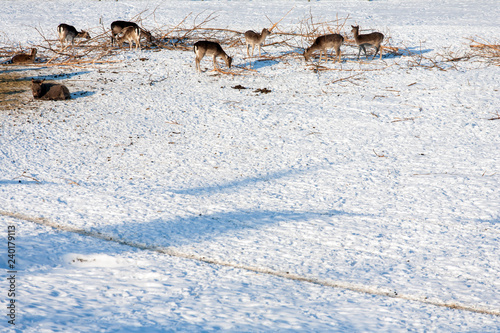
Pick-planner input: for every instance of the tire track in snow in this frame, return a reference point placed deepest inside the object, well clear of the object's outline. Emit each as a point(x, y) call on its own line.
point(360, 288)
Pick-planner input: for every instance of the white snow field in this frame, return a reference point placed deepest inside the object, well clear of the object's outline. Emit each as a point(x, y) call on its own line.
point(365, 198)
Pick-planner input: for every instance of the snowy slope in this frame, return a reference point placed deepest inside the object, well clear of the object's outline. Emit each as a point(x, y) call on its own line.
point(377, 176)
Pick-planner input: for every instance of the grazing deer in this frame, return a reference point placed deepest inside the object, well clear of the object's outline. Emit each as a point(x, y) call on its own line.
point(202, 48)
point(68, 33)
point(118, 26)
point(49, 91)
point(374, 39)
point(253, 38)
point(23, 58)
point(130, 34)
point(322, 43)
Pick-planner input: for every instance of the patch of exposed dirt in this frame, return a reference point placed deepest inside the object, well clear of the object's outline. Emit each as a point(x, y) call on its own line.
point(13, 88)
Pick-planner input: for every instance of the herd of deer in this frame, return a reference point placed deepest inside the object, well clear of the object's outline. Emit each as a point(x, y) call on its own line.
point(130, 32)
point(321, 44)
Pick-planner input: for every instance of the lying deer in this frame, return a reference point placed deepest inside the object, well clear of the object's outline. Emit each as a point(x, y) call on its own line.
point(49, 91)
point(24, 58)
point(322, 43)
point(130, 34)
point(118, 26)
point(253, 38)
point(68, 33)
point(374, 39)
point(202, 48)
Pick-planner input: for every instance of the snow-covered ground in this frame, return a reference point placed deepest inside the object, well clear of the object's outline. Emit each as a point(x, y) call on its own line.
point(366, 195)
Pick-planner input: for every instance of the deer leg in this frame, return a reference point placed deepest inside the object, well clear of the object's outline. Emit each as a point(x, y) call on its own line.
point(197, 63)
point(366, 53)
point(215, 63)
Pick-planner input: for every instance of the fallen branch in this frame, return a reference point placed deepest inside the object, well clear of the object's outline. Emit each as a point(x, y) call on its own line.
point(345, 78)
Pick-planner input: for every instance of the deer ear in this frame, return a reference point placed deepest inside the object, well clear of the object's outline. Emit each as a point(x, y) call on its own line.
point(43, 80)
point(32, 80)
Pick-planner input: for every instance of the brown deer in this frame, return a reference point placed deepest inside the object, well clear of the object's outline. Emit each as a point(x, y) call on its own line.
point(130, 34)
point(203, 47)
point(49, 91)
point(253, 38)
point(24, 58)
point(374, 39)
point(322, 43)
point(68, 33)
point(118, 26)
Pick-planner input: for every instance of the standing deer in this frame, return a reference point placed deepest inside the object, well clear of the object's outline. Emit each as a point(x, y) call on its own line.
point(322, 43)
point(202, 48)
point(118, 26)
point(68, 33)
point(130, 34)
point(374, 39)
point(24, 58)
point(49, 91)
point(253, 38)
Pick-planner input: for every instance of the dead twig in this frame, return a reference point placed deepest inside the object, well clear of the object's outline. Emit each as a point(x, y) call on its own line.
point(276, 24)
point(345, 78)
point(24, 175)
point(497, 117)
point(378, 155)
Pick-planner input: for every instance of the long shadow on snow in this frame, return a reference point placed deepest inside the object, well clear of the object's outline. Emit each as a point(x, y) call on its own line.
point(23, 181)
point(235, 184)
point(46, 245)
point(195, 228)
point(200, 228)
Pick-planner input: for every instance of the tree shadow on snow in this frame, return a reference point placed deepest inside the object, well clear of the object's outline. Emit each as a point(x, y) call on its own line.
point(198, 228)
point(236, 184)
point(193, 228)
point(184, 230)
